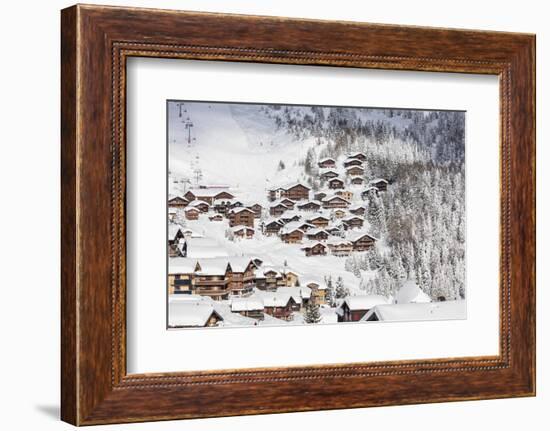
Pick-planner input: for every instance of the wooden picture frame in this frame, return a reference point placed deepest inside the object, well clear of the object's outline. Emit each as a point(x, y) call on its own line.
point(95, 43)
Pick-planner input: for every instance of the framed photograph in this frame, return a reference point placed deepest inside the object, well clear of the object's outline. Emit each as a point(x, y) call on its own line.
point(317, 215)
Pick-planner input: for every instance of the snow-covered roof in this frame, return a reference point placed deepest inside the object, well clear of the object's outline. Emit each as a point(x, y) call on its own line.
point(332, 197)
point(208, 192)
point(252, 303)
point(173, 197)
point(195, 314)
point(286, 231)
point(352, 217)
point(272, 220)
point(241, 209)
point(327, 159)
point(293, 225)
point(275, 299)
point(297, 292)
point(289, 186)
point(238, 228)
point(336, 240)
point(354, 167)
point(192, 209)
point(313, 201)
point(311, 244)
point(354, 155)
point(353, 159)
point(212, 266)
point(356, 177)
point(328, 171)
point(410, 292)
point(315, 231)
point(445, 310)
point(356, 235)
point(181, 265)
point(364, 302)
point(378, 180)
point(317, 216)
point(196, 203)
point(356, 207)
point(239, 263)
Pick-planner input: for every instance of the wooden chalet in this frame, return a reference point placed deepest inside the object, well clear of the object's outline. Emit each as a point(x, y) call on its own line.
point(317, 234)
point(280, 306)
point(335, 183)
point(211, 278)
point(335, 202)
point(339, 213)
point(310, 206)
point(292, 236)
point(277, 209)
point(178, 202)
point(207, 195)
point(272, 228)
point(339, 246)
point(346, 194)
point(355, 171)
point(318, 292)
point(248, 307)
point(297, 192)
point(327, 162)
point(245, 232)
point(352, 162)
point(202, 206)
point(359, 156)
point(241, 217)
point(272, 280)
point(353, 308)
point(380, 183)
point(327, 175)
point(192, 213)
point(257, 209)
point(362, 241)
point(181, 277)
point(192, 314)
point(357, 210)
point(290, 278)
point(319, 221)
point(335, 229)
point(315, 248)
point(357, 180)
point(353, 222)
point(241, 276)
point(275, 193)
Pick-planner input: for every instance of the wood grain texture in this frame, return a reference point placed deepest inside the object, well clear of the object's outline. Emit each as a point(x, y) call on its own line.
point(96, 41)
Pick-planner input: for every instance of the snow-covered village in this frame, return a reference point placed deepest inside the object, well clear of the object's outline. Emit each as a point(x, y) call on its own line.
point(296, 215)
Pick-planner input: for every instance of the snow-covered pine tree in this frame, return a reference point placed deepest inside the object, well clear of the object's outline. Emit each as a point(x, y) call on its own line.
point(312, 314)
point(341, 291)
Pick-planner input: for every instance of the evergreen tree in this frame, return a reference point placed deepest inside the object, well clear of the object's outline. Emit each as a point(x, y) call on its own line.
point(341, 291)
point(312, 313)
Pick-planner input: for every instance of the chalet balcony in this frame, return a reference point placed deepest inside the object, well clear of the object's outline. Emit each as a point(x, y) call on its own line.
point(200, 283)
